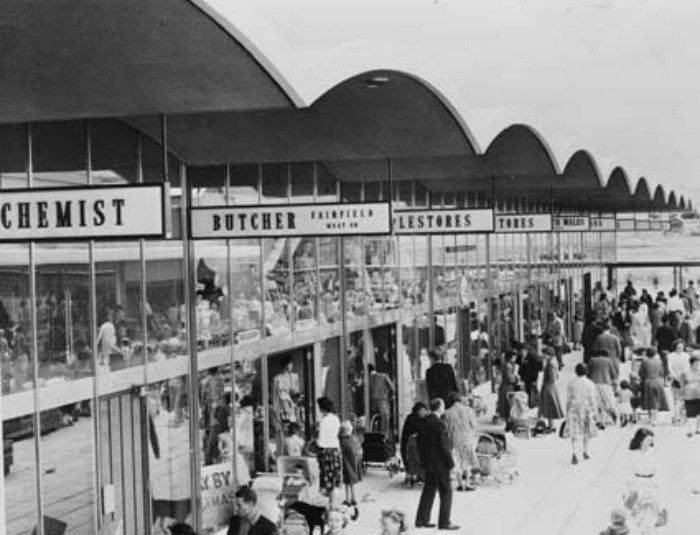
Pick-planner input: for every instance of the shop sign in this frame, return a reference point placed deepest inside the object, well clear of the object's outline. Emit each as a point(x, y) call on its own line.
point(90, 213)
point(289, 220)
point(603, 224)
point(443, 221)
point(570, 223)
point(625, 224)
point(522, 223)
point(218, 489)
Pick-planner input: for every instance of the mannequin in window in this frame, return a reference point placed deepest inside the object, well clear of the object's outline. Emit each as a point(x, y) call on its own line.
point(286, 392)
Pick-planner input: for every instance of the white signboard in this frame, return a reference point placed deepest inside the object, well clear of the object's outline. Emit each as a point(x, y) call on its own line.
point(570, 223)
point(603, 224)
point(522, 223)
point(218, 489)
point(82, 213)
point(624, 224)
point(283, 220)
point(443, 221)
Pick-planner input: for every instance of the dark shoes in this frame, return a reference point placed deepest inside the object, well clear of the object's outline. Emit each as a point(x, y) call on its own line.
point(574, 459)
point(586, 456)
point(451, 527)
point(424, 525)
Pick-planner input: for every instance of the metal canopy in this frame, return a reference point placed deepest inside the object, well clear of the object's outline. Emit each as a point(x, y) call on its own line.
point(73, 59)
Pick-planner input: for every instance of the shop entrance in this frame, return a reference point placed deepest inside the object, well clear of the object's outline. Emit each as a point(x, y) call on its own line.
point(383, 401)
point(290, 379)
point(124, 452)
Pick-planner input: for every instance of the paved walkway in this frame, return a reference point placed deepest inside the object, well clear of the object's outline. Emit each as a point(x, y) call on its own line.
point(552, 496)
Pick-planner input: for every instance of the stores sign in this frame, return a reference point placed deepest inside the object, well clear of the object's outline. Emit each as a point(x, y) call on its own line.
point(446, 221)
point(570, 223)
point(523, 223)
point(288, 220)
point(603, 224)
point(82, 213)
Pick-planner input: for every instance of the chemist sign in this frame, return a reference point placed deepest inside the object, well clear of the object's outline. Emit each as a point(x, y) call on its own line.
point(82, 213)
point(522, 223)
point(439, 221)
point(570, 223)
point(288, 220)
point(217, 490)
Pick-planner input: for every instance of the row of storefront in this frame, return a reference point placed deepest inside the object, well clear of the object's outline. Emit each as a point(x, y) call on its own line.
point(177, 288)
point(134, 349)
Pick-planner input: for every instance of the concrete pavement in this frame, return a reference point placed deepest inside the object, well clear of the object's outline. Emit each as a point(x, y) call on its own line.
point(551, 496)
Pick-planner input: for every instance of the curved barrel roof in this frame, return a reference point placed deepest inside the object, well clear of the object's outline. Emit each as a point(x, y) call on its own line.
point(226, 102)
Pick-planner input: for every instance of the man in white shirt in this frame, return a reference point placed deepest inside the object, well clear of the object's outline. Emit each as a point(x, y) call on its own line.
point(675, 302)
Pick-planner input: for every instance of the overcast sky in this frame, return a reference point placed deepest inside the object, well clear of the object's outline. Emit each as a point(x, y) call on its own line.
point(620, 78)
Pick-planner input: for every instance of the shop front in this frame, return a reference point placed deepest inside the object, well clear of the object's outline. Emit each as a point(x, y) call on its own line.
point(176, 350)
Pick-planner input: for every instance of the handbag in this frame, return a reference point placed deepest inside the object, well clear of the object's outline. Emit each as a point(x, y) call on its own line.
point(564, 431)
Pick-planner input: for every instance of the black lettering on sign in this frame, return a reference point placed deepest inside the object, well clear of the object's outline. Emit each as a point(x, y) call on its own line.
point(81, 204)
point(63, 212)
point(118, 205)
point(41, 207)
point(4, 217)
point(23, 210)
point(98, 207)
point(215, 222)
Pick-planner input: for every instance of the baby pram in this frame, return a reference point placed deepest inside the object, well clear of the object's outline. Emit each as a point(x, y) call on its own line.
point(497, 458)
point(520, 421)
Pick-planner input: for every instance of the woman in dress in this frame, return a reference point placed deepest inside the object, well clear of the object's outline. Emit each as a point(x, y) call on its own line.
point(641, 497)
point(691, 394)
point(286, 392)
point(641, 326)
point(328, 447)
point(461, 423)
point(580, 410)
point(508, 380)
point(653, 396)
point(550, 402)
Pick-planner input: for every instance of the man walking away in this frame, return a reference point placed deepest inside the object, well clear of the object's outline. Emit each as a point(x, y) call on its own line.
point(440, 378)
point(381, 391)
point(436, 459)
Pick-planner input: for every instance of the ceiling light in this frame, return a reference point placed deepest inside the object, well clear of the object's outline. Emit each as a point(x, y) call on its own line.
point(376, 81)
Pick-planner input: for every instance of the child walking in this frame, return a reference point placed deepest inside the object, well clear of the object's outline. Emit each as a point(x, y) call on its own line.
point(624, 404)
point(352, 458)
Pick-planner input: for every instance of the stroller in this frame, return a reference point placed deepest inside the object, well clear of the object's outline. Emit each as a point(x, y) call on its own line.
point(497, 459)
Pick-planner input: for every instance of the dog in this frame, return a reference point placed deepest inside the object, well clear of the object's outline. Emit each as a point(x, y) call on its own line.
point(313, 514)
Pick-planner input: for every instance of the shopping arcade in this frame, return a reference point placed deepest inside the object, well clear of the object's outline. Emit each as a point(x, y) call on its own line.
point(379, 153)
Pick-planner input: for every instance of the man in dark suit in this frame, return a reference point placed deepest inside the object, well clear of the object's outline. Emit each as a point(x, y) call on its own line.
point(440, 378)
point(248, 520)
point(436, 459)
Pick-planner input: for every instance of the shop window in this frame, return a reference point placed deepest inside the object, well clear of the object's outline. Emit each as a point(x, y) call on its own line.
point(59, 154)
point(358, 298)
point(303, 182)
point(244, 188)
point(119, 325)
point(212, 300)
point(326, 184)
point(114, 152)
point(275, 184)
point(13, 156)
point(304, 258)
point(282, 294)
point(208, 185)
point(19, 460)
point(351, 191)
point(329, 273)
point(247, 299)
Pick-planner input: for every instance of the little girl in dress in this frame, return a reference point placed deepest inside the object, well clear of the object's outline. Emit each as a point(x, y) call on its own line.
point(624, 403)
